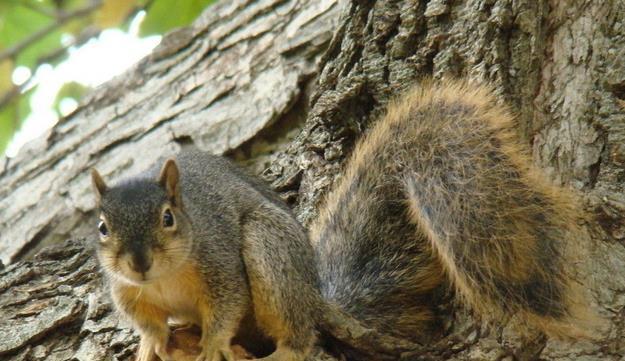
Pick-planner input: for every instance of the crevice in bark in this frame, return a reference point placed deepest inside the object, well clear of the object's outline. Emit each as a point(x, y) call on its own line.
point(32, 244)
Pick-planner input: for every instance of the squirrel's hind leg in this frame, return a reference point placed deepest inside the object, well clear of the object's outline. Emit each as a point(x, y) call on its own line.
point(282, 280)
point(219, 324)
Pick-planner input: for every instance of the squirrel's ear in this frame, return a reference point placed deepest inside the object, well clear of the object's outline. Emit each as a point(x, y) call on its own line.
point(168, 179)
point(98, 184)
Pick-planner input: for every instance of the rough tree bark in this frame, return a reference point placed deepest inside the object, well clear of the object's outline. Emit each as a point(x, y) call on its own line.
point(286, 87)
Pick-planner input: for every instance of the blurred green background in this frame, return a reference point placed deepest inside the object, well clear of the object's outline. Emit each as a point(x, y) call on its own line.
point(53, 51)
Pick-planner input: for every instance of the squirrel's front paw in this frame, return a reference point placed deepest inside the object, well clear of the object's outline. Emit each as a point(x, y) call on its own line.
point(145, 353)
point(150, 346)
point(217, 353)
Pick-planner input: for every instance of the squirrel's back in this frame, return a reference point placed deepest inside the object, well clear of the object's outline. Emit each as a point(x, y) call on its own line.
point(206, 173)
point(441, 191)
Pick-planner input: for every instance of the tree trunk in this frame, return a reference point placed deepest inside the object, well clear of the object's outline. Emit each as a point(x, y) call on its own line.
point(286, 87)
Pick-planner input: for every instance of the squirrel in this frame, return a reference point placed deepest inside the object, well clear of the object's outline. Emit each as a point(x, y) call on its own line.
point(201, 242)
point(440, 192)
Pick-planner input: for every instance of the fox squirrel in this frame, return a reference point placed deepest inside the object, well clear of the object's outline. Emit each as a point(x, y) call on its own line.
point(440, 192)
point(206, 246)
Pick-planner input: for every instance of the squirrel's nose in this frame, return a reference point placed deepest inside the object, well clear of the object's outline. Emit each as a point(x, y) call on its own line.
point(140, 263)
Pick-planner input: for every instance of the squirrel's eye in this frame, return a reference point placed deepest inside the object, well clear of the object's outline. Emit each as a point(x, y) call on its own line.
point(168, 218)
point(102, 228)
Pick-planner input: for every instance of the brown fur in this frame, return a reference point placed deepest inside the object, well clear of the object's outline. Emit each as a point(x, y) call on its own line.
point(445, 159)
point(181, 294)
point(440, 192)
point(234, 250)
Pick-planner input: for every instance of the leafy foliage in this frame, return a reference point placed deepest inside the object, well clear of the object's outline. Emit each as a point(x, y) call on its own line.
point(165, 15)
point(36, 32)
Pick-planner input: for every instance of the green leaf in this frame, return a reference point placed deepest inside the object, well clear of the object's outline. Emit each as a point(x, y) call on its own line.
point(164, 15)
point(12, 116)
point(6, 72)
point(114, 12)
point(8, 122)
point(70, 90)
point(40, 49)
point(18, 22)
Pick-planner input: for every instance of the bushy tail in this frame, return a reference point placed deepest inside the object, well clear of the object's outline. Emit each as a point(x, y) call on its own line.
point(442, 189)
point(506, 238)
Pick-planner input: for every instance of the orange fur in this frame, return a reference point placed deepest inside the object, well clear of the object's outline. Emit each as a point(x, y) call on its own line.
point(504, 235)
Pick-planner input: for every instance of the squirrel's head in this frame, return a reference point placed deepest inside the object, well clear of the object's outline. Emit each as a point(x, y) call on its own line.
point(144, 231)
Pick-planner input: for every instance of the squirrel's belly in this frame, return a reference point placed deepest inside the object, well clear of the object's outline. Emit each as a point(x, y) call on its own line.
point(183, 295)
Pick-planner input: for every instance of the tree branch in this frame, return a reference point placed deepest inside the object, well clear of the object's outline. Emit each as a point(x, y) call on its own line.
point(38, 8)
point(61, 20)
point(16, 90)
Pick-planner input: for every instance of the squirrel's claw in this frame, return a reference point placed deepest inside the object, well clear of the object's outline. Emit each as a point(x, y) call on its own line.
point(149, 347)
point(216, 354)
